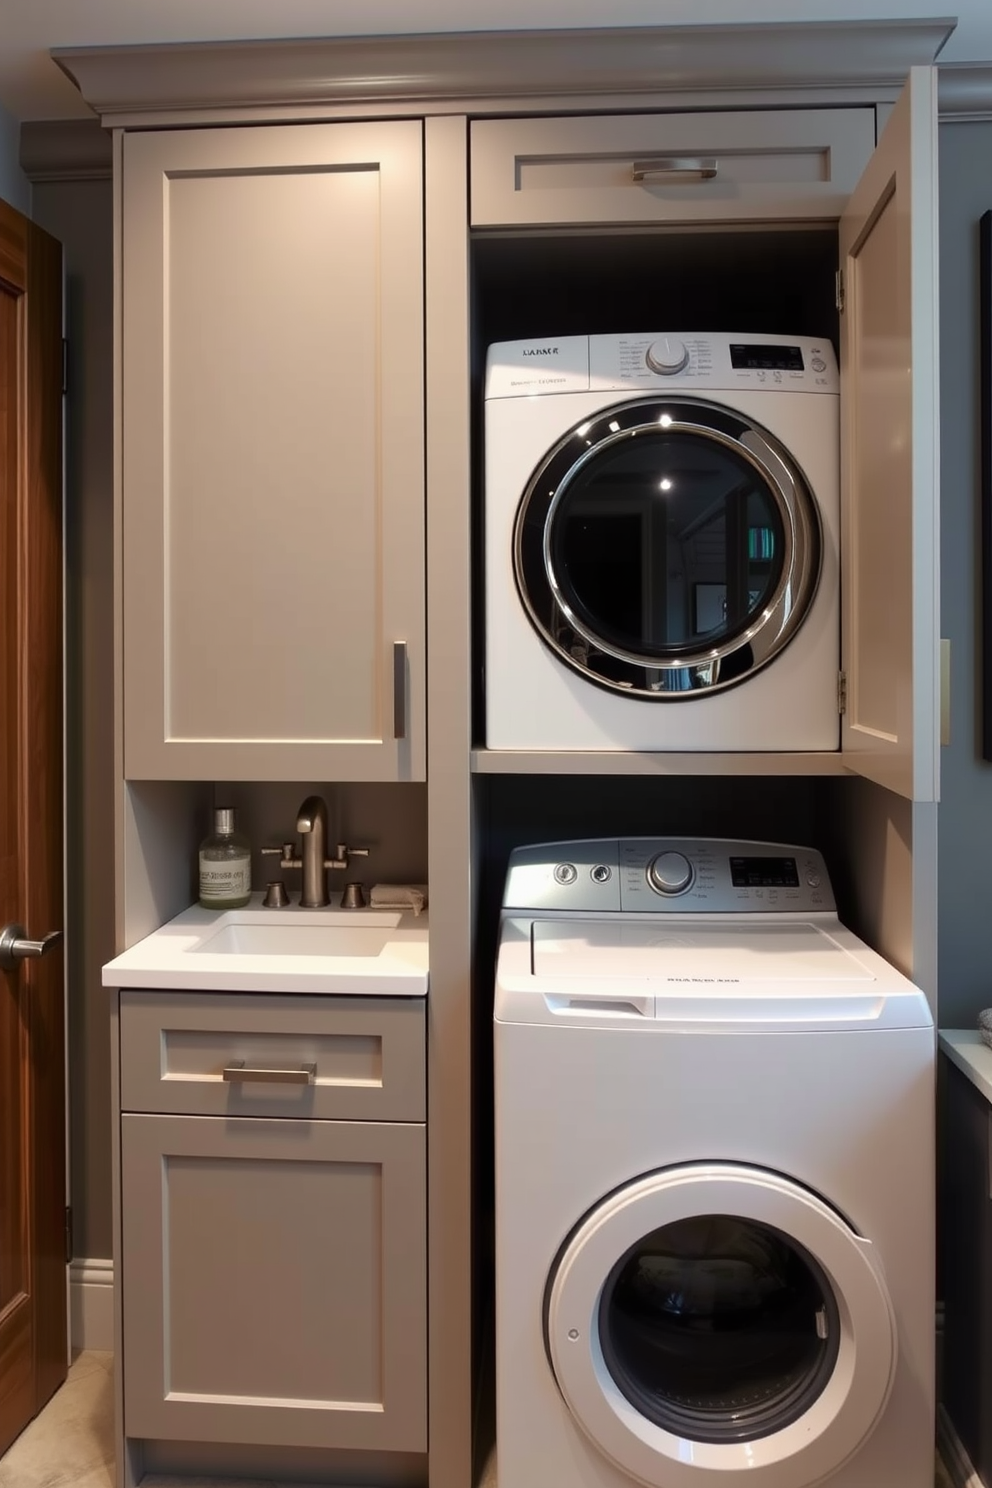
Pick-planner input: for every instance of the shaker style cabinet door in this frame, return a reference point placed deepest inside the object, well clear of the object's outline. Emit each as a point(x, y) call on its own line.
point(274, 1282)
point(272, 452)
point(889, 456)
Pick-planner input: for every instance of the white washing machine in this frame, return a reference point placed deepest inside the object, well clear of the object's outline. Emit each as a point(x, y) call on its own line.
point(714, 1177)
point(661, 530)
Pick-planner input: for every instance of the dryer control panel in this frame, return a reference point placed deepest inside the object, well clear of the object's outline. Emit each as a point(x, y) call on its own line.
point(663, 361)
point(678, 875)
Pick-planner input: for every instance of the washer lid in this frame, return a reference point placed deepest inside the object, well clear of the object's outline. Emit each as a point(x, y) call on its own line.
point(774, 974)
point(685, 951)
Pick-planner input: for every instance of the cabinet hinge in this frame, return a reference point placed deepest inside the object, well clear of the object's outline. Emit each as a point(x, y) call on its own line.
point(68, 1234)
point(841, 692)
point(839, 289)
point(65, 366)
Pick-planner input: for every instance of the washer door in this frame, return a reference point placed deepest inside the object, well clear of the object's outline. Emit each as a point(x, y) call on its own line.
point(667, 547)
point(714, 1318)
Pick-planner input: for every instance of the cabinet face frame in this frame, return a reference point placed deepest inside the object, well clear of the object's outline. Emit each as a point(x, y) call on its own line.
point(333, 601)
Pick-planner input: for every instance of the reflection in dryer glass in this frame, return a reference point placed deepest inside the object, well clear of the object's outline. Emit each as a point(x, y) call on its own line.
point(717, 1328)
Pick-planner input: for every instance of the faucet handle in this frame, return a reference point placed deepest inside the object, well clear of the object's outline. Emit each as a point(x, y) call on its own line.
point(345, 852)
point(286, 855)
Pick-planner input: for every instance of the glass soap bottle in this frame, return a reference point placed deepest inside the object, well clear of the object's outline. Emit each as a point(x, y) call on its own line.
point(225, 864)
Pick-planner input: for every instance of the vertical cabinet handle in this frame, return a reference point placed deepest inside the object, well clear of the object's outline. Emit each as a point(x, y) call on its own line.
point(399, 690)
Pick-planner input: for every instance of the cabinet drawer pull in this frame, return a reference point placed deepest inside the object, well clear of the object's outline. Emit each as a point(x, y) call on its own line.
point(673, 170)
point(240, 1073)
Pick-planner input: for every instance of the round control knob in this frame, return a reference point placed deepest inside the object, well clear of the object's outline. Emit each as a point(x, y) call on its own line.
point(670, 873)
point(667, 356)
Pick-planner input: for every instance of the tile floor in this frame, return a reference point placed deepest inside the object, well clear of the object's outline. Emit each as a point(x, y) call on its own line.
point(70, 1445)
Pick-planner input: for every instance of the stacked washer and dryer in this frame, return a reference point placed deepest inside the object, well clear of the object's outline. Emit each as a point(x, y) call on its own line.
point(714, 1104)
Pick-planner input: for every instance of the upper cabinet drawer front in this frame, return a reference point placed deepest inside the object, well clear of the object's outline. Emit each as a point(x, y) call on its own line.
point(368, 1055)
point(776, 164)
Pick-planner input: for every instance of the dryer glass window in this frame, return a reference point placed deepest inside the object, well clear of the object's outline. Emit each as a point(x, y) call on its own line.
point(665, 542)
point(718, 1328)
point(667, 547)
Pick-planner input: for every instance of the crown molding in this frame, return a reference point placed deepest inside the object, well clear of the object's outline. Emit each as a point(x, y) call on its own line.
point(66, 150)
point(964, 92)
point(429, 69)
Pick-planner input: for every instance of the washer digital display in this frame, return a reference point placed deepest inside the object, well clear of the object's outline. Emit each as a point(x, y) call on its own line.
point(764, 873)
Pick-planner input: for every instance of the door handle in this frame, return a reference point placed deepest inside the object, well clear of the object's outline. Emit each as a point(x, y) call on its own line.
point(15, 946)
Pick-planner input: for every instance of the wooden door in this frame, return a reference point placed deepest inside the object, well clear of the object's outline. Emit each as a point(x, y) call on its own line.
point(32, 1043)
point(273, 453)
point(889, 420)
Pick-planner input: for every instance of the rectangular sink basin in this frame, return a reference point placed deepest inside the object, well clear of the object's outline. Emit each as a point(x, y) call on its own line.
point(364, 952)
point(294, 940)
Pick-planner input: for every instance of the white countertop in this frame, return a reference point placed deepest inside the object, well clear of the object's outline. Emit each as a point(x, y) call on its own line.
point(383, 953)
point(965, 1048)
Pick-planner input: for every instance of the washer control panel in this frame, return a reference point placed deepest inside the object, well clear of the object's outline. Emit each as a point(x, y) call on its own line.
point(675, 875)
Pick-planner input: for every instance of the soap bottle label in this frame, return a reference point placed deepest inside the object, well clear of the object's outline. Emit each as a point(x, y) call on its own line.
point(224, 881)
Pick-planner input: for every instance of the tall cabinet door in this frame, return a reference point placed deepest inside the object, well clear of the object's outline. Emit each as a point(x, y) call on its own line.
point(889, 421)
point(272, 452)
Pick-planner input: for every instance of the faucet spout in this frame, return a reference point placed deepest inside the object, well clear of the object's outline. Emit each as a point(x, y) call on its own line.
point(311, 823)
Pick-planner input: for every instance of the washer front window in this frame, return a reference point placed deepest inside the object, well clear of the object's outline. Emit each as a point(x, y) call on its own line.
point(718, 1328)
point(666, 547)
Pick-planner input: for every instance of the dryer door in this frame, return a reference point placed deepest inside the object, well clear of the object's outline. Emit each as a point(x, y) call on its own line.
point(715, 1318)
point(667, 547)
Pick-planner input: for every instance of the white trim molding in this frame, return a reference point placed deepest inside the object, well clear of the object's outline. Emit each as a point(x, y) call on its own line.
point(965, 92)
point(127, 82)
point(65, 150)
point(91, 1303)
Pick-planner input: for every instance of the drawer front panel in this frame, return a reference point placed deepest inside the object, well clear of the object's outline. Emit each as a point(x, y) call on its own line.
point(358, 1059)
point(678, 168)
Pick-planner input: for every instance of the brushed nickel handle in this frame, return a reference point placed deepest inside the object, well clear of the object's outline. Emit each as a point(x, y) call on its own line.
point(399, 690)
point(240, 1073)
point(673, 170)
point(15, 946)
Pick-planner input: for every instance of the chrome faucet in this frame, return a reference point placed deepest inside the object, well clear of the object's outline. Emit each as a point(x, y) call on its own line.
point(311, 823)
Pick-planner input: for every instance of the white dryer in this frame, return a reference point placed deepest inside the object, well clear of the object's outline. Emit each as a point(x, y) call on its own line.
point(714, 1177)
point(662, 532)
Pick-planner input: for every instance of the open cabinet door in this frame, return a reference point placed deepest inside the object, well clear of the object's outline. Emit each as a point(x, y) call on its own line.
point(889, 410)
point(888, 436)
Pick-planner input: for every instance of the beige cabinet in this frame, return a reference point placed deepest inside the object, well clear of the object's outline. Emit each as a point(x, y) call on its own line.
point(272, 452)
point(273, 1264)
point(727, 166)
point(702, 198)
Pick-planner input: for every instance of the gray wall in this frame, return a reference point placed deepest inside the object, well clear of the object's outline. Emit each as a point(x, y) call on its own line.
point(965, 819)
point(80, 215)
point(14, 185)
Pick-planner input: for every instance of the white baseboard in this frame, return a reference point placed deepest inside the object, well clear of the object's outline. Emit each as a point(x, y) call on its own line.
point(956, 1459)
point(91, 1303)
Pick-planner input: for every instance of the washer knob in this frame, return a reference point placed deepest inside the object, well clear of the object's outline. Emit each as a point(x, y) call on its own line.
point(667, 356)
point(670, 873)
